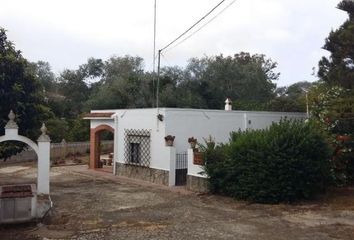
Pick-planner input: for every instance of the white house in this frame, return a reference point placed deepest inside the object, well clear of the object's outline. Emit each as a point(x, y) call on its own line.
point(139, 137)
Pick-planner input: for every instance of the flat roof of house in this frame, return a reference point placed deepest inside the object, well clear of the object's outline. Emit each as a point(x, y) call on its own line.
point(100, 115)
point(113, 111)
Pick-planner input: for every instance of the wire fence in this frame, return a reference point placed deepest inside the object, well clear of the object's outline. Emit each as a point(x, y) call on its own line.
point(61, 151)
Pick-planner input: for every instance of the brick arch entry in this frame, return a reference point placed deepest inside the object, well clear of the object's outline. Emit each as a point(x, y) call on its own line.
point(95, 144)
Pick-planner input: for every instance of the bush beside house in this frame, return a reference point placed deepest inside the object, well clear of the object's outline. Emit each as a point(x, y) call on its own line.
point(289, 161)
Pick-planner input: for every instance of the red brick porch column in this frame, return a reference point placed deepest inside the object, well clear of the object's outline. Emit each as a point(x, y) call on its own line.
point(95, 144)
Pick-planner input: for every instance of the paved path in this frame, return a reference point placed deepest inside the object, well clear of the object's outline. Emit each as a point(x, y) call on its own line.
point(96, 205)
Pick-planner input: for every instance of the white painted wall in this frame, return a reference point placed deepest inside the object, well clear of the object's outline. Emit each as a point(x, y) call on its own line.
point(97, 122)
point(261, 120)
point(183, 123)
point(170, 154)
point(138, 119)
point(201, 124)
point(194, 170)
point(43, 167)
point(144, 119)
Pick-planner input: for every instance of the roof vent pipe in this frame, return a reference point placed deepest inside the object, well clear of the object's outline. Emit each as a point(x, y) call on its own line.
point(228, 104)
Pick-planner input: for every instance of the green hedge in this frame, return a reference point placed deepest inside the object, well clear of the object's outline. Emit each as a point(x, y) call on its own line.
point(288, 161)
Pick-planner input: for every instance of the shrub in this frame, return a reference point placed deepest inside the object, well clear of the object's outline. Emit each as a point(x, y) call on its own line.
point(288, 161)
point(333, 110)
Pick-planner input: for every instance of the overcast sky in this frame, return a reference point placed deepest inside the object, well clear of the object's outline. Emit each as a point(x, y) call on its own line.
point(67, 32)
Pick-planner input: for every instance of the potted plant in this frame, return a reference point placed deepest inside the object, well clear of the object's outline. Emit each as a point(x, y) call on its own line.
point(193, 142)
point(343, 138)
point(169, 140)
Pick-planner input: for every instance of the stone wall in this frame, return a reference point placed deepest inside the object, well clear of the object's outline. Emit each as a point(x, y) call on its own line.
point(144, 173)
point(197, 184)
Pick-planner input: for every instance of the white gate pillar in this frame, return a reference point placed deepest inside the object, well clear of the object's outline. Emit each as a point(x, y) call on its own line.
point(42, 149)
point(43, 162)
point(171, 155)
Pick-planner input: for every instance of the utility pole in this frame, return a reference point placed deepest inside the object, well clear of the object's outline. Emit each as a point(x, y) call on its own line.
point(158, 79)
point(154, 57)
point(307, 102)
point(177, 38)
point(307, 106)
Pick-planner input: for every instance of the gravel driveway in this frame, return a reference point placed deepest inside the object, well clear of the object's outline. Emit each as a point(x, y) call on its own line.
point(95, 205)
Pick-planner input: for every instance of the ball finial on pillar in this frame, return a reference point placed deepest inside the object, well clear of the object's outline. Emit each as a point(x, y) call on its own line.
point(11, 123)
point(44, 137)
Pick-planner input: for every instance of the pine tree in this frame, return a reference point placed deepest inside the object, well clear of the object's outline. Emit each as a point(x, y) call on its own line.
point(338, 69)
point(335, 105)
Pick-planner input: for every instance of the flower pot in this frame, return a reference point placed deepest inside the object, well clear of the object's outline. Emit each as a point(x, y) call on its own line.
point(193, 142)
point(197, 158)
point(343, 138)
point(169, 140)
point(169, 143)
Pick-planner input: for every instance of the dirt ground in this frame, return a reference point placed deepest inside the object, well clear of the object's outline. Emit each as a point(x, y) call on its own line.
point(97, 205)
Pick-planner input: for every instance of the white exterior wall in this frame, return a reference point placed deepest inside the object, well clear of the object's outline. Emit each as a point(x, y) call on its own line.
point(97, 122)
point(201, 124)
point(194, 170)
point(139, 119)
point(261, 120)
point(144, 119)
point(183, 123)
point(43, 176)
point(170, 154)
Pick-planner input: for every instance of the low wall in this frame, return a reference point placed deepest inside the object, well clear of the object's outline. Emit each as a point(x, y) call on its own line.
point(143, 173)
point(61, 150)
point(197, 184)
point(194, 169)
point(196, 181)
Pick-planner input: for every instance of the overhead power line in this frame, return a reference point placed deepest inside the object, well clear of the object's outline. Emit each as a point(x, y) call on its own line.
point(196, 31)
point(181, 35)
point(190, 28)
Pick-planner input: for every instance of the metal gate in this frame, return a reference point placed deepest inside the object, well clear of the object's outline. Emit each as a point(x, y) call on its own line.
point(181, 169)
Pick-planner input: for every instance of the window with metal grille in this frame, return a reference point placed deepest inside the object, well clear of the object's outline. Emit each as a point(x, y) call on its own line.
point(135, 152)
point(137, 147)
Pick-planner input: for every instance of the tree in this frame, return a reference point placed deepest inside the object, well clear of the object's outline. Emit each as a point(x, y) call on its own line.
point(332, 108)
point(20, 91)
point(338, 69)
point(333, 104)
point(204, 83)
point(242, 77)
point(124, 85)
point(75, 91)
point(289, 99)
point(170, 79)
point(92, 69)
point(44, 74)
